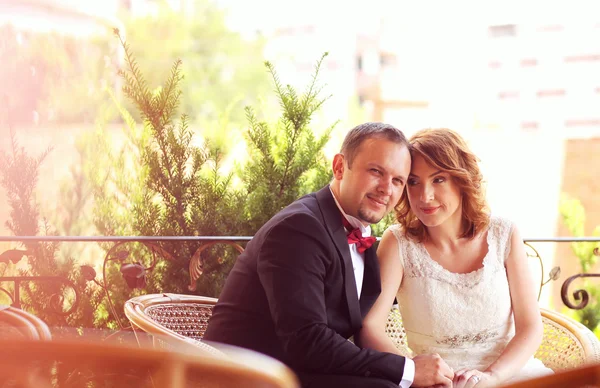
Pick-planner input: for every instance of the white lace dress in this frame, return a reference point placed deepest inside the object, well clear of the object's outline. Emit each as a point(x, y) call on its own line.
point(466, 318)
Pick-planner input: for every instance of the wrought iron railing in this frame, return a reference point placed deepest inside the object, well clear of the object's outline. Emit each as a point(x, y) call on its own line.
point(135, 273)
point(580, 295)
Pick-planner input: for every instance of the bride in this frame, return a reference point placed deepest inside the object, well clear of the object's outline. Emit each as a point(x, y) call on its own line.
point(459, 274)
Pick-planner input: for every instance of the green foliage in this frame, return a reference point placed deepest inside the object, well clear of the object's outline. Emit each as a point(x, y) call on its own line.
point(19, 178)
point(111, 165)
point(381, 226)
point(162, 178)
point(46, 299)
point(286, 153)
point(166, 181)
point(173, 162)
point(221, 67)
point(53, 77)
point(573, 215)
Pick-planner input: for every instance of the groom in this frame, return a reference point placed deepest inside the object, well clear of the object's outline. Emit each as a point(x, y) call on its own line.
point(308, 277)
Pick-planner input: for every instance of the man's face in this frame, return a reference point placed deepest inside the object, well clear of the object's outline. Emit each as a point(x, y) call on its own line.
point(373, 185)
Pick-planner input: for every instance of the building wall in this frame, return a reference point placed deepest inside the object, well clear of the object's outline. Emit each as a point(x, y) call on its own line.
point(546, 76)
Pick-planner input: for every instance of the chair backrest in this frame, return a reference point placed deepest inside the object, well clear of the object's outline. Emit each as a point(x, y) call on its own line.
point(171, 318)
point(15, 322)
point(80, 363)
point(187, 315)
point(567, 343)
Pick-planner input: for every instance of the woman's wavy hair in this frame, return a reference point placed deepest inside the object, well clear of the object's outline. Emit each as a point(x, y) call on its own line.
point(446, 150)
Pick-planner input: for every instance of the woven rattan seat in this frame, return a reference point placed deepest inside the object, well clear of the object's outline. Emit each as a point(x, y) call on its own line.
point(567, 343)
point(187, 319)
point(186, 315)
point(172, 319)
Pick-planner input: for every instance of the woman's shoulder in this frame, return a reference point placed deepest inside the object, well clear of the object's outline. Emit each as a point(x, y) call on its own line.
point(397, 234)
point(393, 243)
point(500, 224)
point(501, 230)
point(395, 230)
point(393, 233)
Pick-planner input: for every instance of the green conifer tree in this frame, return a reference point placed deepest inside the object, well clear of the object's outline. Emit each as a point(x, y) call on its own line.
point(167, 182)
point(286, 160)
point(47, 299)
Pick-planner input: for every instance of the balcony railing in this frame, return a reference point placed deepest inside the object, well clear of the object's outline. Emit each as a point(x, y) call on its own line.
point(134, 273)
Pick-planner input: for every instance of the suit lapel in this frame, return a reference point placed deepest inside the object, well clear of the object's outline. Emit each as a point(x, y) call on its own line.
point(333, 223)
point(371, 281)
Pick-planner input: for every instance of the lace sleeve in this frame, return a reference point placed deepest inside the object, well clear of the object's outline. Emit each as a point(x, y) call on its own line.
point(508, 242)
point(503, 229)
point(395, 229)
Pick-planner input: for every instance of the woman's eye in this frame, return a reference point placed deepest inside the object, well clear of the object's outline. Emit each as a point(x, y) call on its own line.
point(411, 182)
point(439, 180)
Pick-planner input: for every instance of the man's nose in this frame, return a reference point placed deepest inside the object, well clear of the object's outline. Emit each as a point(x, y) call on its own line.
point(385, 186)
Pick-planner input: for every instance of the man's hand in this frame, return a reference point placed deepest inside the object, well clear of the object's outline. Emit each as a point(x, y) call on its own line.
point(431, 370)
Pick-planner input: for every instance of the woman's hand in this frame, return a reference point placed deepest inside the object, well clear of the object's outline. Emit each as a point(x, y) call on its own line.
point(468, 378)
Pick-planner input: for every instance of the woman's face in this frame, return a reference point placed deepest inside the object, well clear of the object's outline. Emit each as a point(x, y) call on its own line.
point(433, 195)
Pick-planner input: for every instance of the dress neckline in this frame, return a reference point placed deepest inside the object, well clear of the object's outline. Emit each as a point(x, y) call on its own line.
point(475, 272)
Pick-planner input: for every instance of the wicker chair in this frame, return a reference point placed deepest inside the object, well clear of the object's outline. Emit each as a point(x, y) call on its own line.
point(174, 320)
point(567, 343)
point(171, 318)
point(16, 323)
point(81, 363)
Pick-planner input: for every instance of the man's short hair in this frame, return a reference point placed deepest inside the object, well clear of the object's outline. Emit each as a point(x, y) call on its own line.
point(355, 137)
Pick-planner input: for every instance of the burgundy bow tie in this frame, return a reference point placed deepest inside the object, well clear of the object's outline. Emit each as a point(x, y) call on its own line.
point(355, 237)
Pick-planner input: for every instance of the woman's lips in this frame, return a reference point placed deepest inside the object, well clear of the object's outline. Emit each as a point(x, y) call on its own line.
point(429, 210)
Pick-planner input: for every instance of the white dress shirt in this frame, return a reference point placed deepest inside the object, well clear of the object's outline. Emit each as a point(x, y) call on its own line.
point(358, 262)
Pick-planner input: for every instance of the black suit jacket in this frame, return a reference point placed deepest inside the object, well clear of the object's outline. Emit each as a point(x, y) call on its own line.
point(292, 295)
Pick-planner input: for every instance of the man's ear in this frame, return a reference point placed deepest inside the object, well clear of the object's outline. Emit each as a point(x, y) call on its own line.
point(338, 166)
